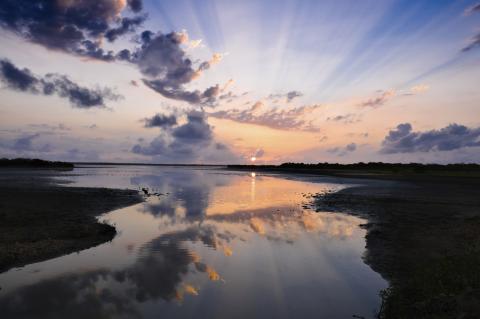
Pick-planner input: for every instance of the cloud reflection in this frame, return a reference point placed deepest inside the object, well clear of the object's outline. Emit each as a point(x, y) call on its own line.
point(216, 211)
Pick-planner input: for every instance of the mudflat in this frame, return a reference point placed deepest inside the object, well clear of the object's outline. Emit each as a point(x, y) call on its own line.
point(41, 219)
point(424, 238)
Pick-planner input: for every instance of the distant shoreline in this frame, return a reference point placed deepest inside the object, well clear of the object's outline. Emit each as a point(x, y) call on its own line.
point(34, 163)
point(460, 175)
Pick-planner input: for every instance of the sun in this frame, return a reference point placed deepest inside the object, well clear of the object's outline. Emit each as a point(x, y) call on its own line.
point(253, 159)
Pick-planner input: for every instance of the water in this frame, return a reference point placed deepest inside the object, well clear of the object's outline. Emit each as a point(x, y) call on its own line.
point(216, 244)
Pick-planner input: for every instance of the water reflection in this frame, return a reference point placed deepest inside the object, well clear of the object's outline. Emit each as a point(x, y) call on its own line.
point(215, 245)
point(156, 275)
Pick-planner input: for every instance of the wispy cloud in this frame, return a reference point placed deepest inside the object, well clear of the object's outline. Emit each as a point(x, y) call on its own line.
point(349, 118)
point(298, 118)
point(378, 100)
point(475, 40)
point(288, 97)
point(472, 9)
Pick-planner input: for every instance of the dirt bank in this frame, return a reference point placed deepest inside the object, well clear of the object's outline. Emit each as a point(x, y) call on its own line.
point(40, 219)
point(424, 238)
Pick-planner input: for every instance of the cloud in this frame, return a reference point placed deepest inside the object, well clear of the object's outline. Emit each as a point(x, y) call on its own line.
point(293, 94)
point(167, 68)
point(135, 5)
point(288, 119)
point(420, 88)
point(474, 43)
point(342, 151)
point(195, 131)
point(378, 100)
point(217, 57)
point(452, 137)
point(127, 25)
point(75, 27)
point(25, 143)
point(259, 152)
point(79, 28)
point(59, 127)
point(160, 120)
point(207, 97)
point(194, 44)
point(346, 119)
point(287, 96)
point(76, 154)
point(25, 81)
point(473, 9)
point(187, 143)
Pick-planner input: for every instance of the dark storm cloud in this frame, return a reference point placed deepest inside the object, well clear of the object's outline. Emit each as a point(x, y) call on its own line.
point(162, 58)
point(196, 130)
point(127, 25)
point(187, 143)
point(135, 5)
point(157, 146)
point(452, 137)
point(81, 97)
point(185, 138)
point(18, 79)
point(167, 68)
point(207, 97)
point(161, 120)
point(70, 26)
point(78, 27)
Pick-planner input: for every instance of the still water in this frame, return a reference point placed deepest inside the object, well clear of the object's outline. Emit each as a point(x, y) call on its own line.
point(214, 244)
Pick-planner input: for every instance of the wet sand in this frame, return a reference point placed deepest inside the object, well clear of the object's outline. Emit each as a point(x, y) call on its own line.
point(424, 238)
point(40, 219)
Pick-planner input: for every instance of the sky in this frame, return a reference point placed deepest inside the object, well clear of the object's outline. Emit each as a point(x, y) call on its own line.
point(216, 82)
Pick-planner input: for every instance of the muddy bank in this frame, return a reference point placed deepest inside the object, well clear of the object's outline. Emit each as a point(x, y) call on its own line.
point(40, 219)
point(423, 236)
